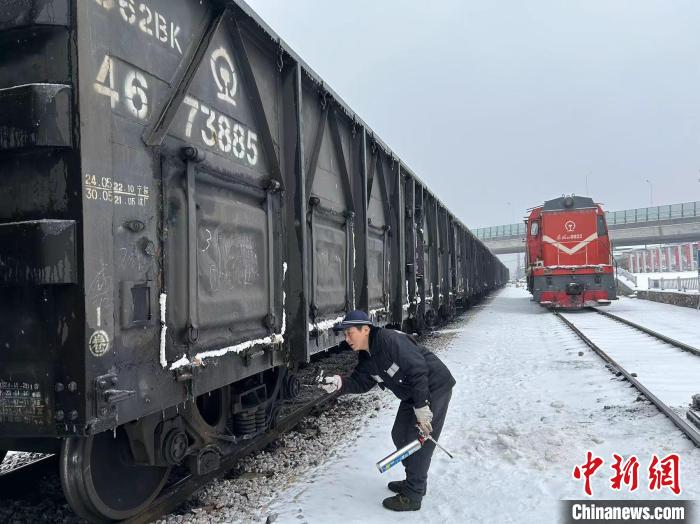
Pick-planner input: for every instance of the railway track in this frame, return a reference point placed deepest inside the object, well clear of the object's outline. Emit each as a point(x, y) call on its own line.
point(20, 482)
point(663, 369)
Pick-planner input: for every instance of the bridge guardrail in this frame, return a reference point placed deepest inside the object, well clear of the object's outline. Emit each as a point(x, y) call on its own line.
point(613, 218)
point(653, 214)
point(676, 284)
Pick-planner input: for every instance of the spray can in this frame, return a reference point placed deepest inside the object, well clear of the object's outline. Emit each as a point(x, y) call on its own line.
point(397, 456)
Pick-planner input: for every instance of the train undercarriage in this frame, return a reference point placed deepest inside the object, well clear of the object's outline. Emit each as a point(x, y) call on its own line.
point(116, 474)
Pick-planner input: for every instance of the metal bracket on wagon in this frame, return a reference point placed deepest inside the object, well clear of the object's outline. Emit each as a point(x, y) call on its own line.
point(272, 185)
point(107, 396)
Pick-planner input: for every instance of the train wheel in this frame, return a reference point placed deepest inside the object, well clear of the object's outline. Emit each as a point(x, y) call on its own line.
point(101, 480)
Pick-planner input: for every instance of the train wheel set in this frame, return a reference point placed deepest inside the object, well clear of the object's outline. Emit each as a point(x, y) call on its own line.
point(186, 211)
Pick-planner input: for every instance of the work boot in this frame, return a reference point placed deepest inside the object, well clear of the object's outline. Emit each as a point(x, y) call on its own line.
point(397, 485)
point(401, 503)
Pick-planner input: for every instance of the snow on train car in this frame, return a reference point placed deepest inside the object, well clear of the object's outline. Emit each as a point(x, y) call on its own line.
point(569, 255)
point(186, 209)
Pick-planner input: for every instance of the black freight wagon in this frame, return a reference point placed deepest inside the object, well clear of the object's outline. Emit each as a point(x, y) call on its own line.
point(185, 211)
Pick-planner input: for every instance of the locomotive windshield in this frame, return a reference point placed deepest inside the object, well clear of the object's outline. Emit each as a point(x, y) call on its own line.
point(602, 228)
point(534, 228)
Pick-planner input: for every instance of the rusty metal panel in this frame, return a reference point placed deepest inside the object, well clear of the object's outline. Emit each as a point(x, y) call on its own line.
point(330, 252)
point(38, 252)
point(232, 279)
point(379, 238)
point(35, 115)
point(377, 269)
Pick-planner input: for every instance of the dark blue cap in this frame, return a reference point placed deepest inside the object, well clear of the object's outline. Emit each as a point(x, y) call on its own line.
point(354, 318)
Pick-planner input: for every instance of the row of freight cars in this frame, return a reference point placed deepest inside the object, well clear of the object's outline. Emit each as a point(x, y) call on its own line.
point(185, 211)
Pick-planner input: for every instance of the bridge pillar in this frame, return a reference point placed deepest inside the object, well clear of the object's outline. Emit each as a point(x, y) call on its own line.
point(670, 262)
point(689, 253)
point(644, 262)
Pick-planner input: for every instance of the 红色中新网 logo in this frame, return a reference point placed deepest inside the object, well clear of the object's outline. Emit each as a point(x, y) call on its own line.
point(570, 226)
point(662, 472)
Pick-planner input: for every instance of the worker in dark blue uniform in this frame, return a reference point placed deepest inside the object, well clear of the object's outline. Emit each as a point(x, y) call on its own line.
point(393, 360)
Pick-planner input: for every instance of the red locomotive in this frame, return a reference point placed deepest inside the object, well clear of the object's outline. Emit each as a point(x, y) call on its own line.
point(569, 256)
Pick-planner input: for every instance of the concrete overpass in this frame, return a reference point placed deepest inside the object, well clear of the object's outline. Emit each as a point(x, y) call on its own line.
point(648, 225)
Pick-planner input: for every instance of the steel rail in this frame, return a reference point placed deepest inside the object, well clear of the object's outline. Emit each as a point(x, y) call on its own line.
point(660, 336)
point(21, 481)
point(686, 428)
point(178, 492)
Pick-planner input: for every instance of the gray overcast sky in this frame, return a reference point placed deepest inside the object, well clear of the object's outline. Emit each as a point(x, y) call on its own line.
point(497, 102)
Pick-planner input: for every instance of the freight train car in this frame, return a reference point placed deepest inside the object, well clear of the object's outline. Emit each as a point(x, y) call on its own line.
point(186, 209)
point(569, 255)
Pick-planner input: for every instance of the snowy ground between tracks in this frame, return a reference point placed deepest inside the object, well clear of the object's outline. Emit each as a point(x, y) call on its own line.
point(680, 323)
point(525, 410)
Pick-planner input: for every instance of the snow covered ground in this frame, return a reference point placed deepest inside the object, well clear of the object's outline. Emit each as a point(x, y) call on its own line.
point(680, 323)
point(530, 401)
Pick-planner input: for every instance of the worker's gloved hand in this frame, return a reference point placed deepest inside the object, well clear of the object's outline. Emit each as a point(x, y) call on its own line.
point(331, 384)
point(424, 417)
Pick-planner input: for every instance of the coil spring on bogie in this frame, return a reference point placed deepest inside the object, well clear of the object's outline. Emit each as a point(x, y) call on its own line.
point(244, 423)
point(260, 418)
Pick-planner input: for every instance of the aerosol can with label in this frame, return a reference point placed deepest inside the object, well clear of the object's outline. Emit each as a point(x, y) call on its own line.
point(397, 456)
point(409, 449)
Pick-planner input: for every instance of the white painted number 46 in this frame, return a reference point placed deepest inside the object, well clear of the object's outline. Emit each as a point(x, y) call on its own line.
point(134, 90)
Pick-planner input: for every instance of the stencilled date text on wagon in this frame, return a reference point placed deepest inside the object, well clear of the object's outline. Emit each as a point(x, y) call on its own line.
point(118, 193)
point(21, 403)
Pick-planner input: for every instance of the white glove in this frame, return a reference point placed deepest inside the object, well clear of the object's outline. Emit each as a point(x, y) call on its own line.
point(424, 417)
point(331, 384)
